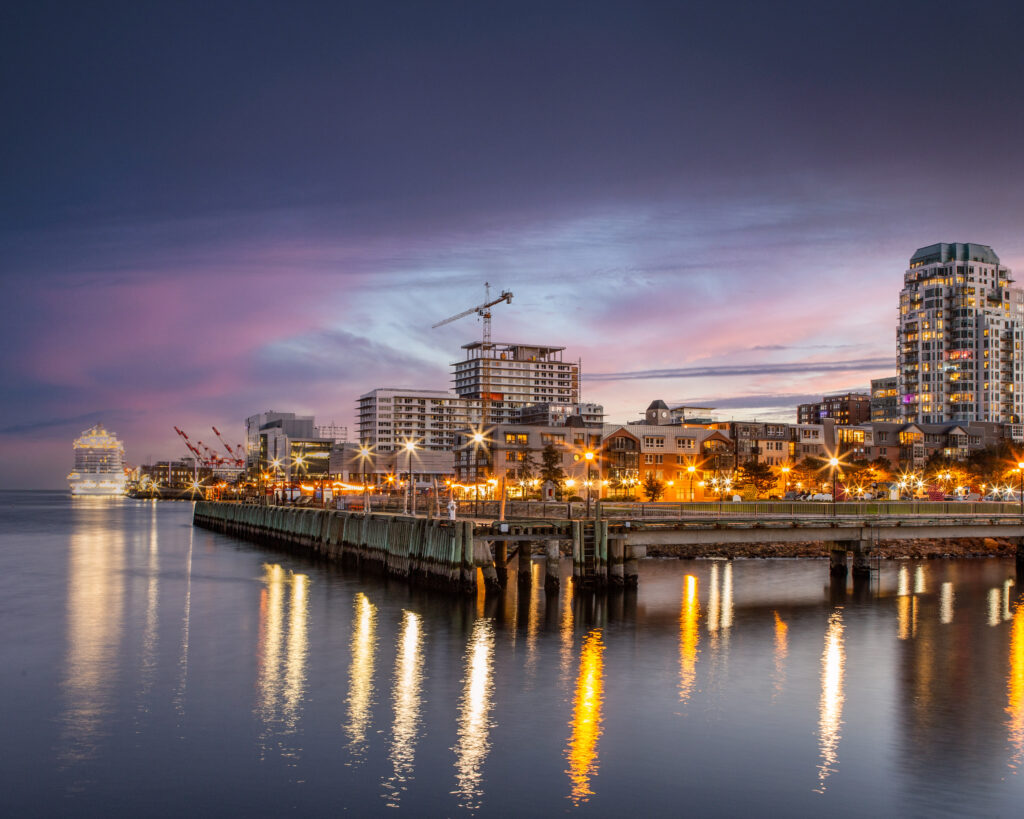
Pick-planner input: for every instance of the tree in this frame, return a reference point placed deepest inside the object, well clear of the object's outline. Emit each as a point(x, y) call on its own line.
point(653, 488)
point(757, 476)
point(551, 465)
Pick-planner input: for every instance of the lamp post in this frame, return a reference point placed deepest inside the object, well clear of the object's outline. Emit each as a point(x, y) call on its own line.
point(589, 456)
point(691, 469)
point(785, 481)
point(1020, 468)
point(364, 456)
point(409, 447)
point(478, 441)
point(834, 463)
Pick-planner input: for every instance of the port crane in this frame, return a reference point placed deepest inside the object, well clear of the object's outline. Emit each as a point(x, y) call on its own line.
point(237, 458)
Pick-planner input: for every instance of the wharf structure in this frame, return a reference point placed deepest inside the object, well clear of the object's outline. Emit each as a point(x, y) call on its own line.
point(462, 554)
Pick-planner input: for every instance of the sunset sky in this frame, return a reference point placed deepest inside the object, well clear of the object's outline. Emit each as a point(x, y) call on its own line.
point(210, 209)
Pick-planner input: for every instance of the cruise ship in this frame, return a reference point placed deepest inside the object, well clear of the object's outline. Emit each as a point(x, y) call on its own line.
point(99, 464)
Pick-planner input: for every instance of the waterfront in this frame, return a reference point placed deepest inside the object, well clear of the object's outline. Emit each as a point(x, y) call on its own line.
point(153, 667)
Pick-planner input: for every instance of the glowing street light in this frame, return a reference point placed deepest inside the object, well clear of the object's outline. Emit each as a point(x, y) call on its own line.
point(589, 457)
point(409, 447)
point(691, 469)
point(1020, 468)
point(834, 463)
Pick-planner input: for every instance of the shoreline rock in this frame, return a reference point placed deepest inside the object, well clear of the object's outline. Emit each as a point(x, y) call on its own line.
point(919, 549)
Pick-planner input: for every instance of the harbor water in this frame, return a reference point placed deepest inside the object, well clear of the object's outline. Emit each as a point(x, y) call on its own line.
point(151, 668)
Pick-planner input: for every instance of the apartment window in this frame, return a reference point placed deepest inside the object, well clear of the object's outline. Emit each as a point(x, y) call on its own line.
point(648, 459)
point(516, 438)
point(654, 441)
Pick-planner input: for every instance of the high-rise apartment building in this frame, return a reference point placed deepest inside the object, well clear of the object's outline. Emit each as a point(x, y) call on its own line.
point(505, 377)
point(959, 337)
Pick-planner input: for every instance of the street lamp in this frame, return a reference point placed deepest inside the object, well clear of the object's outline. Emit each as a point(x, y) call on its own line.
point(478, 439)
point(691, 469)
point(409, 447)
point(834, 463)
point(364, 456)
point(785, 481)
point(589, 456)
point(1020, 468)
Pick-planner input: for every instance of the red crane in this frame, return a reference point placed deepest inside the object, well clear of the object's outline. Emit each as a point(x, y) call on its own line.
point(236, 458)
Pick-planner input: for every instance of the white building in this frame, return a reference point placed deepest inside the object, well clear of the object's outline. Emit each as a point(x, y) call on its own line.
point(959, 337)
point(508, 376)
point(390, 417)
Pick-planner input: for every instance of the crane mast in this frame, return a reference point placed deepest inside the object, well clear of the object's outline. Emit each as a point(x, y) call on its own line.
point(484, 311)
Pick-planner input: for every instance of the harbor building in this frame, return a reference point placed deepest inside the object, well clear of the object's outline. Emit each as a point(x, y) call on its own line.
point(885, 399)
point(389, 417)
point(558, 414)
point(505, 377)
point(287, 446)
point(847, 408)
point(959, 337)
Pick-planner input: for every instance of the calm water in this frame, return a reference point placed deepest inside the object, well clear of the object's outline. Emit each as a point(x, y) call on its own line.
point(150, 668)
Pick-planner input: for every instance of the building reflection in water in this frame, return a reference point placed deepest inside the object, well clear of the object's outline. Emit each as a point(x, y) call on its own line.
point(283, 650)
point(720, 614)
point(186, 622)
point(586, 718)
point(406, 701)
point(149, 634)
point(1015, 689)
point(781, 652)
point(830, 708)
point(689, 638)
point(362, 649)
point(95, 627)
point(906, 604)
point(475, 715)
point(947, 599)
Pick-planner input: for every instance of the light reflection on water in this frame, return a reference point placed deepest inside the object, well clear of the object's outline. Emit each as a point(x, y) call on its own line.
point(95, 610)
point(474, 715)
point(586, 718)
point(324, 689)
point(360, 677)
point(830, 708)
point(1015, 689)
point(408, 681)
point(689, 638)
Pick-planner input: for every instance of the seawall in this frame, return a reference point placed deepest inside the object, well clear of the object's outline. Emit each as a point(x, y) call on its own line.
point(437, 553)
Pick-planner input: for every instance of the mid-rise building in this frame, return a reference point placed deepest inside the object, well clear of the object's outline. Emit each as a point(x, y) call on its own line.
point(885, 400)
point(286, 446)
point(391, 417)
point(847, 408)
point(959, 337)
point(505, 377)
point(553, 415)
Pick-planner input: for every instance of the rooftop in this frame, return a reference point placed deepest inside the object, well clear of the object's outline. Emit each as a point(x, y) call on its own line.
point(954, 252)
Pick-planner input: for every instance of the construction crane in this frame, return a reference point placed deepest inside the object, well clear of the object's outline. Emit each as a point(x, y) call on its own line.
point(482, 310)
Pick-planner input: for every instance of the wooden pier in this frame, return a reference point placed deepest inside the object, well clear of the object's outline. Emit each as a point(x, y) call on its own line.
point(457, 555)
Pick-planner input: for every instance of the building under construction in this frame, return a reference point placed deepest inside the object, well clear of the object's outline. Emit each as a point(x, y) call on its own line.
point(506, 377)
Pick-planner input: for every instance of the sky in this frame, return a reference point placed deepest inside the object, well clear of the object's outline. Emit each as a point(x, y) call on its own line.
point(208, 210)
